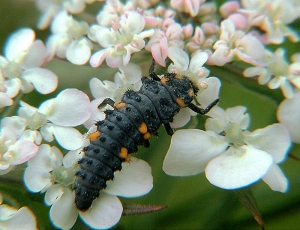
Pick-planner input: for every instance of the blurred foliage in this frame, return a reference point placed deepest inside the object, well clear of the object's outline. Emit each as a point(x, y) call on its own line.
point(192, 202)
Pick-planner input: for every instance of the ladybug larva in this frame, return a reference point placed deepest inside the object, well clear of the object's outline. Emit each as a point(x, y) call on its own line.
point(130, 123)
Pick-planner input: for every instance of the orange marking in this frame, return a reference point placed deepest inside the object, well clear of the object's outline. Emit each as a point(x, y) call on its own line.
point(123, 153)
point(143, 128)
point(180, 102)
point(178, 76)
point(127, 158)
point(147, 135)
point(164, 80)
point(120, 105)
point(191, 92)
point(94, 136)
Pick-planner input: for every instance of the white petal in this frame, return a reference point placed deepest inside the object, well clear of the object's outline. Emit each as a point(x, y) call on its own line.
point(198, 61)
point(53, 193)
point(68, 138)
point(276, 179)
point(36, 55)
point(273, 139)
point(63, 212)
point(190, 150)
point(18, 43)
point(36, 179)
point(238, 167)
point(288, 114)
point(207, 96)
point(23, 219)
point(79, 52)
point(98, 57)
point(181, 118)
point(43, 80)
point(71, 107)
point(106, 211)
point(129, 183)
point(179, 58)
point(5, 100)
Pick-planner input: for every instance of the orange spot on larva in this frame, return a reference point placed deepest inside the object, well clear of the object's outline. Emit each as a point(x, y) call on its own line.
point(180, 102)
point(147, 135)
point(94, 136)
point(143, 128)
point(120, 105)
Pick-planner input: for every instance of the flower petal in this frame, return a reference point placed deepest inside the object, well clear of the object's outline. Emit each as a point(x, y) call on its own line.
point(79, 52)
point(68, 138)
point(71, 107)
point(129, 183)
point(288, 115)
point(238, 167)
point(63, 212)
point(276, 179)
point(190, 150)
point(273, 139)
point(43, 80)
point(105, 212)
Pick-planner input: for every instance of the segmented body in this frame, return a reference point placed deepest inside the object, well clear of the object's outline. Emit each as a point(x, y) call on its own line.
point(132, 121)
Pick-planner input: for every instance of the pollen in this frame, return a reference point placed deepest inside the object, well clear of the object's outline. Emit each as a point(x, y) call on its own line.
point(94, 136)
point(143, 128)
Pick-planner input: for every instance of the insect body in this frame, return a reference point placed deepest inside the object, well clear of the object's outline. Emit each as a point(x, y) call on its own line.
point(132, 121)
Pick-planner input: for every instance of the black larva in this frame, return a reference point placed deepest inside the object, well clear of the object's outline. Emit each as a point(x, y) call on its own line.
point(133, 120)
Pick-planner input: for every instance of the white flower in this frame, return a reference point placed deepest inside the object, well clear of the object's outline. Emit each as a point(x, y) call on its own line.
point(118, 45)
point(288, 114)
point(49, 8)
point(50, 172)
point(195, 71)
point(14, 150)
point(13, 218)
point(234, 159)
point(57, 117)
point(236, 45)
point(20, 68)
point(277, 73)
point(191, 7)
point(128, 77)
point(68, 39)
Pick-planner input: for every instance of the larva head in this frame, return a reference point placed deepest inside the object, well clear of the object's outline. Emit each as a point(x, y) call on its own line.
point(182, 89)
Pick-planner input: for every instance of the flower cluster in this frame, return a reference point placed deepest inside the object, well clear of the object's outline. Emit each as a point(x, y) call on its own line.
point(181, 36)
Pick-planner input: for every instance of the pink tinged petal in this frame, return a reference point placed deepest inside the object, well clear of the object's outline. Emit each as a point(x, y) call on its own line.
point(206, 96)
point(181, 118)
point(18, 43)
point(5, 100)
point(36, 55)
point(68, 138)
point(106, 211)
point(98, 58)
point(71, 107)
point(179, 58)
point(79, 52)
point(287, 89)
point(43, 80)
point(101, 89)
point(114, 61)
point(159, 51)
point(273, 139)
point(23, 219)
point(229, 8)
point(190, 151)
point(129, 183)
point(63, 212)
point(238, 167)
point(20, 152)
point(96, 114)
point(288, 115)
point(276, 179)
point(222, 55)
